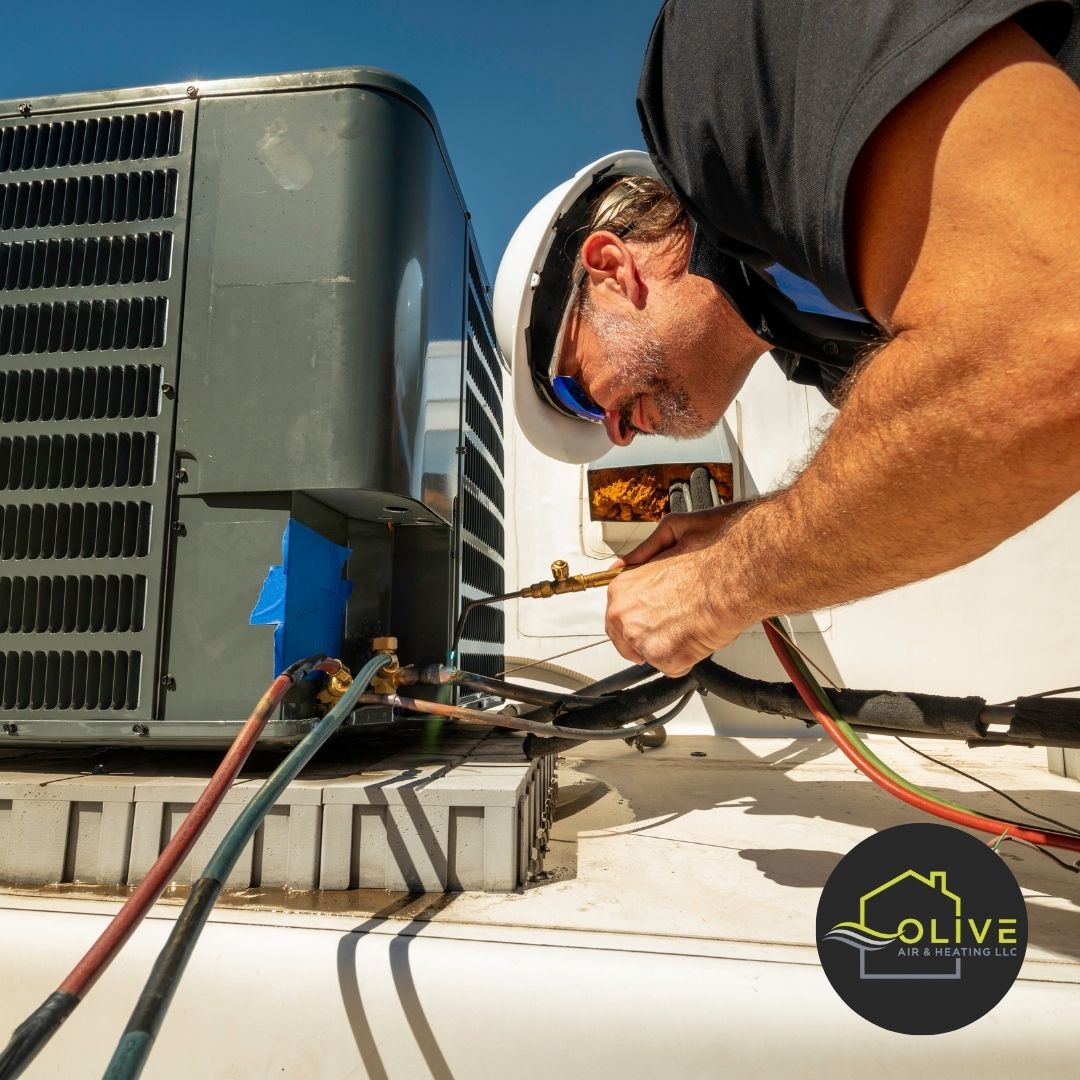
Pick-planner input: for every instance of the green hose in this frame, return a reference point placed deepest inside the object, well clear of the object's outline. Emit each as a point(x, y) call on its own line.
point(849, 733)
point(138, 1039)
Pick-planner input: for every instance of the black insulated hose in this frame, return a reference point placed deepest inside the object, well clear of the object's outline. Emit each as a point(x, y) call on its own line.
point(609, 715)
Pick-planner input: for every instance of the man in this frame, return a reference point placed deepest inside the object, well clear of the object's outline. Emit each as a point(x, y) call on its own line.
point(919, 163)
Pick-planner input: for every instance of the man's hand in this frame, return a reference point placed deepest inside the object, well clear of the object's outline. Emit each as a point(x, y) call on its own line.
point(669, 610)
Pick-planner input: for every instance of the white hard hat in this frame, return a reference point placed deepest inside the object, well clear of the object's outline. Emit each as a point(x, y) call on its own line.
point(532, 290)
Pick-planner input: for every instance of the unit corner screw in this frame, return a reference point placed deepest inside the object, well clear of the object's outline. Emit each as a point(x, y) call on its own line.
point(179, 528)
point(139, 729)
point(11, 729)
point(168, 682)
point(192, 91)
point(168, 390)
point(25, 109)
point(181, 476)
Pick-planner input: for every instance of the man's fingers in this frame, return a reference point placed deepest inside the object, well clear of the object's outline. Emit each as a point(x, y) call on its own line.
point(698, 526)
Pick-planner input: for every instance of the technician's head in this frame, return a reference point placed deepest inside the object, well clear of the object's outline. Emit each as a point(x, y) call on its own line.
point(607, 333)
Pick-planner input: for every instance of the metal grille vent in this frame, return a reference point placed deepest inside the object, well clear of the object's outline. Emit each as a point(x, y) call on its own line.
point(76, 531)
point(489, 664)
point(83, 326)
point(481, 572)
point(482, 380)
point(484, 477)
point(70, 680)
point(93, 221)
point(481, 503)
point(90, 142)
point(487, 624)
point(39, 462)
point(482, 427)
point(482, 523)
point(85, 604)
point(83, 261)
point(89, 200)
point(102, 393)
point(484, 338)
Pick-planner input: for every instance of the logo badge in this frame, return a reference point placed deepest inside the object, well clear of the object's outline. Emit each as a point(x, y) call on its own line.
point(921, 929)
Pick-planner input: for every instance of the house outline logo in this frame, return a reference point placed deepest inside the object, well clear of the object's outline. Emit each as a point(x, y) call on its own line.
point(921, 928)
point(861, 936)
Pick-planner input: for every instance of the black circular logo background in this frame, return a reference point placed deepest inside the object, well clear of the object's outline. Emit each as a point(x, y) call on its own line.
point(921, 929)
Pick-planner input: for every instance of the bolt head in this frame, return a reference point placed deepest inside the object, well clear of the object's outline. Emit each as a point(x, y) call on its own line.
point(25, 109)
point(193, 91)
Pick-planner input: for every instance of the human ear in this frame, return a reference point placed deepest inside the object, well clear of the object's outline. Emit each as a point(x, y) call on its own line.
point(611, 268)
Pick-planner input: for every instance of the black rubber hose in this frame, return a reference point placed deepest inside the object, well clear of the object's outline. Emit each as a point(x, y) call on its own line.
point(1047, 719)
point(611, 713)
point(1036, 721)
point(530, 695)
point(898, 711)
point(619, 681)
point(34, 1032)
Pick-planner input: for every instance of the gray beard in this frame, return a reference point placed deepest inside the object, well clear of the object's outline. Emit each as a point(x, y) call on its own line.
point(641, 371)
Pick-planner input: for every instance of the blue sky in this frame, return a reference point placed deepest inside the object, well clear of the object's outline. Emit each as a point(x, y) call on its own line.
point(525, 93)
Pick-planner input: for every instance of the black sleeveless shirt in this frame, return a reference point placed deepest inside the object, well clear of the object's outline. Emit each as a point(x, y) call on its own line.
point(754, 112)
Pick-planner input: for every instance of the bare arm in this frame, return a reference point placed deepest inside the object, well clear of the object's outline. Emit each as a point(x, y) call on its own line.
point(965, 428)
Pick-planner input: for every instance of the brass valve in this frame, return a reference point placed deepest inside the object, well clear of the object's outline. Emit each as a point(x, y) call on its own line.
point(336, 685)
point(384, 681)
point(563, 582)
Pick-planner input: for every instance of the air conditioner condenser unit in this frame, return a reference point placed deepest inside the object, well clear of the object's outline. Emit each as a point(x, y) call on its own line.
point(234, 317)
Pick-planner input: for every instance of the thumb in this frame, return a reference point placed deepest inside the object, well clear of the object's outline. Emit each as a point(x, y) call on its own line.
point(661, 538)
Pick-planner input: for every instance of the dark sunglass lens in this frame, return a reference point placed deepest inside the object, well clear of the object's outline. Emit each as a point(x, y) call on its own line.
point(570, 393)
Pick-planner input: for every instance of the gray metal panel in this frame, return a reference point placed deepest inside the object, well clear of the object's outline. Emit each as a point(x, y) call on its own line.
point(322, 334)
point(93, 207)
point(363, 78)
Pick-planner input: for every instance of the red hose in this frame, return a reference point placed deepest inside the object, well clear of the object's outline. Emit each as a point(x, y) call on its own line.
point(103, 951)
point(959, 817)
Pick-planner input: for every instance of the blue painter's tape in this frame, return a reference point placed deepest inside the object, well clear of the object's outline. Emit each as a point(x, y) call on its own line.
point(305, 597)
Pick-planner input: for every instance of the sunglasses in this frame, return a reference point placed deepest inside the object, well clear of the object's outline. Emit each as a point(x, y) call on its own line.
point(565, 392)
point(571, 395)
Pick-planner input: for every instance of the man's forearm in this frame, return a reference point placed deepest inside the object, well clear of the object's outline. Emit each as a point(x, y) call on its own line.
point(937, 456)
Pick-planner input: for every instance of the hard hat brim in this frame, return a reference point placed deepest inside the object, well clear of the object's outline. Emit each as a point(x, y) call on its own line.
point(526, 306)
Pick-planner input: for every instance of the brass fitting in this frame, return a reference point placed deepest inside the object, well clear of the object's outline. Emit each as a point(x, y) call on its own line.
point(562, 581)
point(384, 680)
point(336, 685)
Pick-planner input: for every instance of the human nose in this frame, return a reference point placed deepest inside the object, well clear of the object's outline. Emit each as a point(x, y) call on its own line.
point(618, 430)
